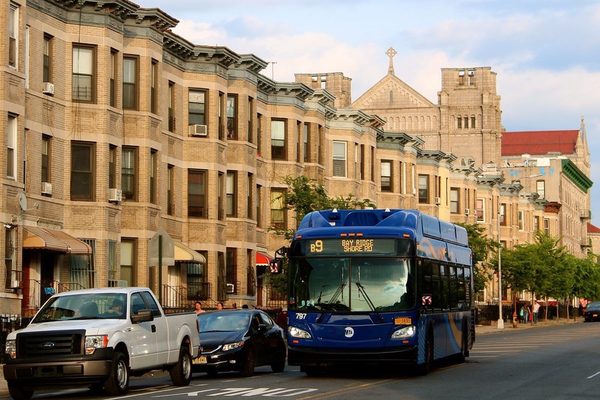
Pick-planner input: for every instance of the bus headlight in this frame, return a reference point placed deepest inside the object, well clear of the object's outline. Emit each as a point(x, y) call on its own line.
point(95, 342)
point(404, 333)
point(11, 348)
point(298, 333)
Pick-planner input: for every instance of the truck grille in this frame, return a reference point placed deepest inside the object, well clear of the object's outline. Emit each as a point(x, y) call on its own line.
point(42, 344)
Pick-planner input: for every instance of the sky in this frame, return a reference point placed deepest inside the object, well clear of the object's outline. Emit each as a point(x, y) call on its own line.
point(546, 53)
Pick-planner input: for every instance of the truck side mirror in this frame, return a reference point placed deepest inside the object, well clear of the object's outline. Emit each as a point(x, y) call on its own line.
point(142, 316)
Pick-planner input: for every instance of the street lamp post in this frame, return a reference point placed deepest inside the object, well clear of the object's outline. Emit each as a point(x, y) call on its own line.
point(500, 319)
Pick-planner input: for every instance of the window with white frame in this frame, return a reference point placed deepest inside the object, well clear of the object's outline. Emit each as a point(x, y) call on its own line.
point(423, 188)
point(339, 158)
point(454, 200)
point(13, 32)
point(11, 147)
point(386, 176)
point(540, 188)
point(480, 209)
point(83, 73)
point(278, 140)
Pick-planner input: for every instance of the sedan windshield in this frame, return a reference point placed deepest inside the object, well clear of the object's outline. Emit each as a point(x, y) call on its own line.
point(352, 284)
point(223, 322)
point(84, 306)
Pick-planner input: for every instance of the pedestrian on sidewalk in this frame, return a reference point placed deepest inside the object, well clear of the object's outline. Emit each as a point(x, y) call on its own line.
point(536, 310)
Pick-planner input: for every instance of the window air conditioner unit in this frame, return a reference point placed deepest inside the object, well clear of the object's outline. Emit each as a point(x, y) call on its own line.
point(47, 188)
point(467, 211)
point(48, 88)
point(15, 284)
point(461, 73)
point(115, 195)
point(438, 201)
point(198, 130)
point(230, 288)
point(471, 73)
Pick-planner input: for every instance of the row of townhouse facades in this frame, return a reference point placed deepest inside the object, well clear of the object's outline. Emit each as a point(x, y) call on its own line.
point(134, 157)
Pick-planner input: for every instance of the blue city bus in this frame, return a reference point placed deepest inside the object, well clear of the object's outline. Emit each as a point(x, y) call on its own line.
point(378, 287)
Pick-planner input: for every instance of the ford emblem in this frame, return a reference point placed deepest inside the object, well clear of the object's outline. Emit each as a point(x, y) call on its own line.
point(48, 345)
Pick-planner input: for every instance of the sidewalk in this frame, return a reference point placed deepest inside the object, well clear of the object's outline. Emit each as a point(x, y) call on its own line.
point(508, 327)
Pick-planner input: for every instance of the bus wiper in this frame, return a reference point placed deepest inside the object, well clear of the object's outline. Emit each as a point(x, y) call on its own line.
point(337, 293)
point(362, 290)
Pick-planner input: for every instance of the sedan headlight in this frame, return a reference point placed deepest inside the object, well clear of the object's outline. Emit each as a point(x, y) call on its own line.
point(95, 342)
point(298, 333)
point(232, 346)
point(11, 348)
point(404, 333)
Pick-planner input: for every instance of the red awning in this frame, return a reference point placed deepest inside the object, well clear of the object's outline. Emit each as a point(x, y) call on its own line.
point(262, 259)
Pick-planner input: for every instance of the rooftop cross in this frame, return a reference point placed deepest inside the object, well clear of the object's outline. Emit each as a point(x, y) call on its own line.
point(391, 53)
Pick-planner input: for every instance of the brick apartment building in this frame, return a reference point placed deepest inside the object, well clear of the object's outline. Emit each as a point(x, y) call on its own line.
point(134, 157)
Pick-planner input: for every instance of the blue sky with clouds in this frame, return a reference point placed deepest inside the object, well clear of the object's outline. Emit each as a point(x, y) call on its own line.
point(546, 52)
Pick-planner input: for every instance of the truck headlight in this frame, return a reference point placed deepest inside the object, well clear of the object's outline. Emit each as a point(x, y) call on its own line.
point(95, 342)
point(404, 333)
point(232, 346)
point(298, 333)
point(11, 348)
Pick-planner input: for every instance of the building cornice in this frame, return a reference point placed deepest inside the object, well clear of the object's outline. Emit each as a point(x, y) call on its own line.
point(574, 174)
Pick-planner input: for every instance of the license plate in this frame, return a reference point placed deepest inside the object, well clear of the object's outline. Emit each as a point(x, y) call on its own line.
point(200, 360)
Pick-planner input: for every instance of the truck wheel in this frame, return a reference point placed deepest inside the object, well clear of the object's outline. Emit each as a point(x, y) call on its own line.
point(181, 372)
point(118, 380)
point(18, 392)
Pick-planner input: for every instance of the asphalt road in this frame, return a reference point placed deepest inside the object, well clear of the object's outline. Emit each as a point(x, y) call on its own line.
point(554, 362)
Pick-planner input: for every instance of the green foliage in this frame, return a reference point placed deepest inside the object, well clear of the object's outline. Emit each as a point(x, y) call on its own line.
point(481, 247)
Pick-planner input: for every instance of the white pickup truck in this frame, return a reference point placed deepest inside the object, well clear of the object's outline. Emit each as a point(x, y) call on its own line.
point(98, 338)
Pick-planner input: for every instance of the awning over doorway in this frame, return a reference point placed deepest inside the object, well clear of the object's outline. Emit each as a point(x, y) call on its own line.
point(184, 253)
point(38, 238)
point(262, 259)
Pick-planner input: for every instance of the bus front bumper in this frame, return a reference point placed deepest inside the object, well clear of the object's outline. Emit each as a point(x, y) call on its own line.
point(312, 356)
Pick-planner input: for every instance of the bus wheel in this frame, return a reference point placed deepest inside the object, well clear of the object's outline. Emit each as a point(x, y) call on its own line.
point(425, 368)
point(312, 371)
point(464, 348)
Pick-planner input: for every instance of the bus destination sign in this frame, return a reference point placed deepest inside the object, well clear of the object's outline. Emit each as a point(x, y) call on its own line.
point(351, 246)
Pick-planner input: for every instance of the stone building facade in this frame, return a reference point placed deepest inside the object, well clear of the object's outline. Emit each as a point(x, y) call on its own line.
point(134, 157)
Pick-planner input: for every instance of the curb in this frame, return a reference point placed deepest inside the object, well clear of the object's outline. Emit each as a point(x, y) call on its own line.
point(492, 328)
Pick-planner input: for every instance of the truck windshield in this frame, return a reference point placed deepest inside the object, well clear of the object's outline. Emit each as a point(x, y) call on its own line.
point(352, 284)
point(83, 306)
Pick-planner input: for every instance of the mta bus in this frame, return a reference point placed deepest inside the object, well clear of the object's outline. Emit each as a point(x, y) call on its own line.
point(378, 287)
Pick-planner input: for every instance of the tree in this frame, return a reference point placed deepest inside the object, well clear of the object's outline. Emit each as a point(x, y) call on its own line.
point(481, 248)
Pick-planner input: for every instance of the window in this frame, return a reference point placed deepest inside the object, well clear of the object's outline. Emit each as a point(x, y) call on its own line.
point(220, 195)
point(466, 122)
point(546, 226)
point(250, 189)
point(197, 193)
point(112, 166)
point(113, 78)
point(82, 170)
point(170, 189)
point(112, 263)
point(250, 115)
point(480, 210)
point(521, 220)
point(300, 141)
point(339, 158)
point(47, 59)
point(459, 122)
point(130, 94)
point(305, 142)
point(230, 194)
point(362, 161)
point(386, 176)
point(232, 112)
point(502, 214)
point(278, 139)
point(196, 280)
point(83, 73)
point(536, 223)
point(454, 200)
point(259, 132)
point(221, 115)
point(372, 164)
point(423, 188)
point(540, 188)
point(278, 214)
point(9, 250)
point(231, 270)
point(197, 107)
point(154, 87)
point(172, 106)
point(402, 177)
point(13, 31)
point(128, 256)
point(472, 121)
point(259, 197)
point(128, 173)
point(153, 171)
point(11, 147)
point(357, 161)
point(46, 158)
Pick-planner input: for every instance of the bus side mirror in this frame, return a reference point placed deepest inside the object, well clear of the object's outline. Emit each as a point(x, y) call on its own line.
point(276, 266)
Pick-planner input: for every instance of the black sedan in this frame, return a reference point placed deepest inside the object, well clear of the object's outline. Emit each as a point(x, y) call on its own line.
point(592, 311)
point(239, 340)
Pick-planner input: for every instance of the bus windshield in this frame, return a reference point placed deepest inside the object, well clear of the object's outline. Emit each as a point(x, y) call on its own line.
point(352, 284)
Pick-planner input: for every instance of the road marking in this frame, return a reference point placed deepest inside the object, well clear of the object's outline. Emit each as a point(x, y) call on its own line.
point(592, 376)
point(243, 392)
point(350, 388)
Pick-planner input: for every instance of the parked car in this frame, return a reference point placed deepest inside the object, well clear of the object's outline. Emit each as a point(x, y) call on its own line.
point(239, 340)
point(592, 311)
point(98, 338)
